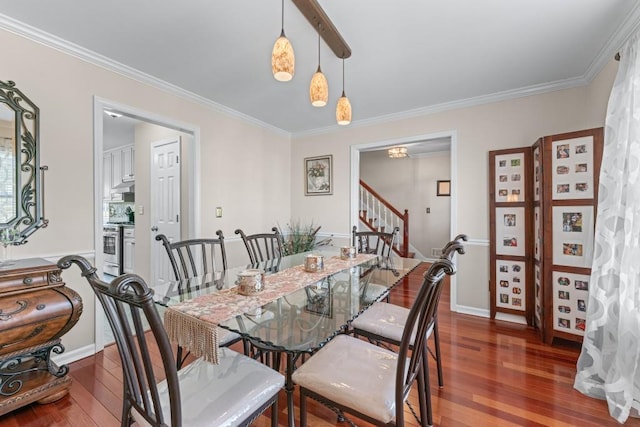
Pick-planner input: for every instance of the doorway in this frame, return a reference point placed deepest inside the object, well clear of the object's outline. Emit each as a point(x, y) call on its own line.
point(143, 209)
point(165, 202)
point(359, 149)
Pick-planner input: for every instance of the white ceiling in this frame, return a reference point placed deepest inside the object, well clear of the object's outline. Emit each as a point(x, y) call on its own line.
point(408, 56)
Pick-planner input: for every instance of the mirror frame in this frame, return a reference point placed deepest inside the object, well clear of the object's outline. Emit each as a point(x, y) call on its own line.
point(29, 194)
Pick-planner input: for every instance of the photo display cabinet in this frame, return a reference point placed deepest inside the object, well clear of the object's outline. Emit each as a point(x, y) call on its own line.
point(543, 202)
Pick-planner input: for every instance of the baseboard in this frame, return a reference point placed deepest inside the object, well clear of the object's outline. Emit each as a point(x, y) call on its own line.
point(74, 355)
point(473, 311)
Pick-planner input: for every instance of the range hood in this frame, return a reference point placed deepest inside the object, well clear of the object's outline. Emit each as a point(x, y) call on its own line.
point(124, 196)
point(125, 187)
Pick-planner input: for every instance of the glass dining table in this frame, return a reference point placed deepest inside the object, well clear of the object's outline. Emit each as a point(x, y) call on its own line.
point(306, 311)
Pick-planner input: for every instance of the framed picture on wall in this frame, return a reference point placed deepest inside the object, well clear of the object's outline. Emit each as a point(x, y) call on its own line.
point(443, 188)
point(318, 175)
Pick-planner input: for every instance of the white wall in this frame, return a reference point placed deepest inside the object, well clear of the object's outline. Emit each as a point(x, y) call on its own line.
point(243, 167)
point(410, 183)
point(505, 124)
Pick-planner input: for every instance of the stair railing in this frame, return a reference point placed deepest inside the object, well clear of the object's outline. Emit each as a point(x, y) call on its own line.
point(378, 215)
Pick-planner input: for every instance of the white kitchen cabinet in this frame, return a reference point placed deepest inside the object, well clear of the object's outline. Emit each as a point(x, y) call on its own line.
point(128, 163)
point(106, 181)
point(118, 167)
point(128, 250)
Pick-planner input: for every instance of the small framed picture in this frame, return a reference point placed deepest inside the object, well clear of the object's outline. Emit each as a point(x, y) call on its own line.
point(318, 175)
point(443, 188)
point(572, 240)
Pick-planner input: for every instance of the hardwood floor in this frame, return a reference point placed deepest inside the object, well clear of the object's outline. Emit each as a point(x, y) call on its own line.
point(495, 373)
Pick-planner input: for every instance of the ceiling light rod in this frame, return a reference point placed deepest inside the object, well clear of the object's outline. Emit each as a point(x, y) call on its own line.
point(319, 19)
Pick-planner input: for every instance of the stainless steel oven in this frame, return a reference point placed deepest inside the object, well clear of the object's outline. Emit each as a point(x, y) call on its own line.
point(111, 247)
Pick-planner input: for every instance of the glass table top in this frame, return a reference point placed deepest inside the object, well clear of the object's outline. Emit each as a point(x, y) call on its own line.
point(303, 320)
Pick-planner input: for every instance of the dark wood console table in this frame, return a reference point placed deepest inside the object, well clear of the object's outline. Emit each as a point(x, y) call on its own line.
point(36, 309)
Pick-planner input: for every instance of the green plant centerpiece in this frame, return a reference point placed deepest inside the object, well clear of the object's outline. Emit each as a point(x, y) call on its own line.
point(298, 238)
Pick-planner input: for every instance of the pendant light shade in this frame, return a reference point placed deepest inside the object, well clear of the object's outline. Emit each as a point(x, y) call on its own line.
point(319, 88)
point(283, 61)
point(343, 109)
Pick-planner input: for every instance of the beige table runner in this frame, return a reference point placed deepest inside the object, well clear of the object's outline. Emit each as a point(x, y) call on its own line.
point(193, 324)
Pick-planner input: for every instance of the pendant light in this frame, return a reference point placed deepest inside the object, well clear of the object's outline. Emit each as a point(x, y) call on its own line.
point(343, 109)
point(283, 61)
point(319, 88)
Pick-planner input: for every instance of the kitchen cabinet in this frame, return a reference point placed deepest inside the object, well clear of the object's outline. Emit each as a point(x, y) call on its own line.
point(106, 177)
point(128, 163)
point(36, 309)
point(128, 249)
point(118, 167)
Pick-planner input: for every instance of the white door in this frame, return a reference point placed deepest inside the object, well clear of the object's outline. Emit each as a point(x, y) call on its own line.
point(165, 204)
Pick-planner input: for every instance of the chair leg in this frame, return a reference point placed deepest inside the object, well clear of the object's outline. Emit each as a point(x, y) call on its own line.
point(424, 392)
point(303, 408)
point(246, 347)
point(436, 339)
point(274, 413)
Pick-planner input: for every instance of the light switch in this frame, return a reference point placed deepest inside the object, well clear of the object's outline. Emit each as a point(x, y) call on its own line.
point(140, 210)
point(219, 212)
point(428, 210)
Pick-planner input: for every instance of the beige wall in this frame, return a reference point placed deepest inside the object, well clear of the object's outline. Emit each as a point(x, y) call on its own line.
point(410, 183)
point(243, 167)
point(511, 123)
point(254, 173)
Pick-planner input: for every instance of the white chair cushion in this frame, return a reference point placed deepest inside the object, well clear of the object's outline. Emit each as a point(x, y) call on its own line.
point(375, 292)
point(221, 395)
point(225, 336)
point(386, 320)
point(355, 374)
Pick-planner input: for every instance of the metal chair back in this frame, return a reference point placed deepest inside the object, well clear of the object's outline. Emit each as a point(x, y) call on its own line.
point(374, 242)
point(196, 257)
point(128, 304)
point(262, 247)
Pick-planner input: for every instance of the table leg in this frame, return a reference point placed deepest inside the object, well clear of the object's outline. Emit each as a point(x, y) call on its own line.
point(289, 387)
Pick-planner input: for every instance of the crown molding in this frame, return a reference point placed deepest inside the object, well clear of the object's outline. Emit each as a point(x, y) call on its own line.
point(454, 105)
point(615, 42)
point(34, 34)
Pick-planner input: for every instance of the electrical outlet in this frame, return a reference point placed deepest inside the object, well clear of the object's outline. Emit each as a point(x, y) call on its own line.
point(140, 210)
point(428, 210)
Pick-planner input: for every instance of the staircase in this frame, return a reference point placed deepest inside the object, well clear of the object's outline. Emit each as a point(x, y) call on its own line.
point(377, 214)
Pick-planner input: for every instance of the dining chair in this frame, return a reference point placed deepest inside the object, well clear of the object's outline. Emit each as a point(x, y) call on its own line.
point(354, 376)
point(374, 242)
point(233, 392)
point(197, 258)
point(384, 322)
point(262, 247)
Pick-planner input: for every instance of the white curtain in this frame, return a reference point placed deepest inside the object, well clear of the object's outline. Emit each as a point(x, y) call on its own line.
point(608, 364)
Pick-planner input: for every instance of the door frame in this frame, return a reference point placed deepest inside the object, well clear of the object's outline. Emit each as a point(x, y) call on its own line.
point(193, 181)
point(355, 185)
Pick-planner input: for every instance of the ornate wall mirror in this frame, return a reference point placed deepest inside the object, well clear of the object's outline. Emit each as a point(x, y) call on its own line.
point(21, 176)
